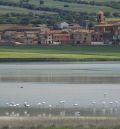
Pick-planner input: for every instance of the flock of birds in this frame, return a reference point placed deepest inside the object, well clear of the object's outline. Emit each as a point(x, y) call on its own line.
point(27, 105)
point(113, 105)
point(42, 104)
point(62, 102)
point(13, 104)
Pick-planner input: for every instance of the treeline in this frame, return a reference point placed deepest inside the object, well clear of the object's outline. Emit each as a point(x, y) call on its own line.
point(30, 18)
point(33, 7)
point(113, 4)
point(37, 8)
point(20, 3)
point(28, 5)
point(36, 19)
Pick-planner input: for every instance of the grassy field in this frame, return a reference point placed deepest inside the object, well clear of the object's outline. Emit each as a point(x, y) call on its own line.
point(102, 0)
point(72, 6)
point(113, 19)
point(62, 53)
point(8, 9)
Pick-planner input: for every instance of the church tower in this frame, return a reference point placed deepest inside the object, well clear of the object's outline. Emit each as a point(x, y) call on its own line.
point(100, 18)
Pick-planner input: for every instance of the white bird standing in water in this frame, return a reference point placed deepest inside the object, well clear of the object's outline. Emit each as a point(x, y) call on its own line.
point(26, 104)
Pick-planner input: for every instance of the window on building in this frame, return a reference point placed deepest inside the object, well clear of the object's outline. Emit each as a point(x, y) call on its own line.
point(78, 42)
point(49, 42)
point(39, 42)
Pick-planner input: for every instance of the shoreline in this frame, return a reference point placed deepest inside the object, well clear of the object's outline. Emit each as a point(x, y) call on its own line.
point(60, 79)
point(64, 53)
point(61, 53)
point(5, 60)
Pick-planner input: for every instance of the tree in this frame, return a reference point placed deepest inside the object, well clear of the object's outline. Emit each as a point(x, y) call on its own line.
point(22, 2)
point(66, 5)
point(24, 21)
point(90, 25)
point(41, 2)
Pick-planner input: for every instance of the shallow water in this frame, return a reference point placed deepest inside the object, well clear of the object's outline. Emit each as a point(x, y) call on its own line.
point(79, 83)
point(83, 94)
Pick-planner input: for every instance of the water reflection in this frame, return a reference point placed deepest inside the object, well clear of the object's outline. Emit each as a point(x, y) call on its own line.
point(76, 83)
point(52, 94)
point(78, 73)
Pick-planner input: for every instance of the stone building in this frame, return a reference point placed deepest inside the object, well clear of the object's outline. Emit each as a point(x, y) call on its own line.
point(82, 36)
point(62, 38)
point(107, 29)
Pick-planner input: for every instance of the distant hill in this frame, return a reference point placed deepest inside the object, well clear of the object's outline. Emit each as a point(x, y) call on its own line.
point(52, 11)
point(60, 4)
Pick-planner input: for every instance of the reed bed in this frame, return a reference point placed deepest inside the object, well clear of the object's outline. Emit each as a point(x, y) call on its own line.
point(51, 119)
point(59, 122)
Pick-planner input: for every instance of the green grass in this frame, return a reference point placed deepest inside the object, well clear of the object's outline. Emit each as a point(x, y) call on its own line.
point(72, 6)
point(8, 9)
point(102, 0)
point(57, 128)
point(75, 7)
point(60, 53)
point(116, 18)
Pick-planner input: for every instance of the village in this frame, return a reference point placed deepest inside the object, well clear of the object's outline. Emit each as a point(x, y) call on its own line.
point(103, 33)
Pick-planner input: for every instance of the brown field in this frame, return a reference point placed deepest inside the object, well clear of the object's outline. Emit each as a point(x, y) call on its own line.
point(70, 122)
point(51, 119)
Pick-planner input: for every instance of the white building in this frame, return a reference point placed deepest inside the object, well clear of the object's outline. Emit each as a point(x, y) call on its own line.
point(49, 38)
point(62, 25)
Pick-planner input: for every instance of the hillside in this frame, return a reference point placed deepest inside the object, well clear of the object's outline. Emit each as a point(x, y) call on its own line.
point(52, 11)
point(72, 6)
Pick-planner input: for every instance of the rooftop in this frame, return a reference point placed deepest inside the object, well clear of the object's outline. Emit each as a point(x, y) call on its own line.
point(84, 30)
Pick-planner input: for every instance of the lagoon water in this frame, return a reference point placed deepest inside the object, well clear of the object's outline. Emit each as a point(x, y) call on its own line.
point(73, 82)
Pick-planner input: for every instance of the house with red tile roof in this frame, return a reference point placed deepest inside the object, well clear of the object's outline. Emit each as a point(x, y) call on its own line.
point(62, 38)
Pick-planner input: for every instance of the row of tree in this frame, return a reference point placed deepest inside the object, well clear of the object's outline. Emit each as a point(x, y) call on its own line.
point(36, 19)
point(26, 2)
point(113, 4)
point(28, 5)
point(20, 3)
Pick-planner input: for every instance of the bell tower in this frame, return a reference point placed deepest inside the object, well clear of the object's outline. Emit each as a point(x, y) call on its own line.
point(100, 18)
